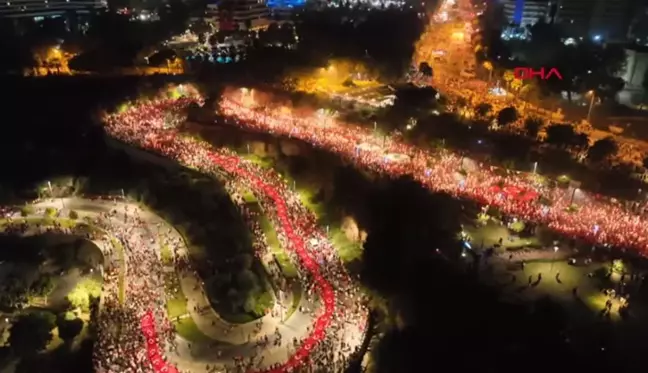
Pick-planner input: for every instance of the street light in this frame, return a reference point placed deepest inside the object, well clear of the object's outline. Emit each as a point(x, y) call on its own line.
point(589, 112)
point(571, 202)
point(554, 258)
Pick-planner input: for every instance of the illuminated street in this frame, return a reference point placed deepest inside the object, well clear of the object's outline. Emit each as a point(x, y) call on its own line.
point(596, 220)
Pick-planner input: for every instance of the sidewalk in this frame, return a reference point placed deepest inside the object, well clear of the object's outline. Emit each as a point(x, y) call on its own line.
point(209, 321)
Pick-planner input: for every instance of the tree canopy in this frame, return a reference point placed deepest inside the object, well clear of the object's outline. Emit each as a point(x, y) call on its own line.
point(30, 333)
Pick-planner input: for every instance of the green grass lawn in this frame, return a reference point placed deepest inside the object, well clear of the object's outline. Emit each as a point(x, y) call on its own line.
point(288, 268)
point(177, 307)
point(69, 223)
point(347, 250)
point(306, 196)
point(176, 300)
point(187, 329)
point(122, 278)
point(265, 162)
point(64, 222)
point(297, 296)
point(166, 255)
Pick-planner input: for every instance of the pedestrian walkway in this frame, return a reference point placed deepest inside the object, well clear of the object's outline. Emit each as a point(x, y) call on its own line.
point(209, 321)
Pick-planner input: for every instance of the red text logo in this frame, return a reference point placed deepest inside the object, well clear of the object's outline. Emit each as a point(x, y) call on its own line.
point(524, 73)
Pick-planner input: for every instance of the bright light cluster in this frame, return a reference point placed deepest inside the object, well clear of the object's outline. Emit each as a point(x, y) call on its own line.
point(597, 219)
point(144, 126)
point(368, 3)
point(285, 4)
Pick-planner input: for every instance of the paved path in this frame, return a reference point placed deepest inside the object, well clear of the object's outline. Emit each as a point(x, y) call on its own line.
point(237, 340)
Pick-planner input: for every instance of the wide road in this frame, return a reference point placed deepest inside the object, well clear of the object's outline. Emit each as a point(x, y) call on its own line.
point(596, 219)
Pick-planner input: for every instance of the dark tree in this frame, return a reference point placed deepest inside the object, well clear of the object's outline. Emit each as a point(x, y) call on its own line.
point(561, 135)
point(483, 109)
point(425, 69)
point(588, 66)
point(532, 126)
point(175, 16)
point(408, 224)
point(412, 101)
point(602, 150)
point(30, 333)
point(30, 364)
point(513, 147)
point(545, 44)
point(68, 329)
point(507, 116)
point(162, 58)
point(581, 142)
point(349, 32)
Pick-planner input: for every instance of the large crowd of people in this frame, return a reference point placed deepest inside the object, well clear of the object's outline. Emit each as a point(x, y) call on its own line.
point(596, 219)
point(126, 318)
point(340, 320)
point(327, 345)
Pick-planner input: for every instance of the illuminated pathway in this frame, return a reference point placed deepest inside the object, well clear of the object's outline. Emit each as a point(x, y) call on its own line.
point(596, 219)
point(146, 126)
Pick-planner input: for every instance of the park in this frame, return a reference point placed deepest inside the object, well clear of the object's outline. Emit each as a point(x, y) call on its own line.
point(220, 248)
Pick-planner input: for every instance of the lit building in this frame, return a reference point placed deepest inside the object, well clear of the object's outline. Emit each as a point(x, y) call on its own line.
point(283, 9)
point(524, 13)
point(240, 14)
point(636, 71)
point(39, 9)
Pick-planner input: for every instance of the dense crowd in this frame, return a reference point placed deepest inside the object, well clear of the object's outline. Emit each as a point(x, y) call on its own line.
point(124, 320)
point(333, 336)
point(596, 219)
point(126, 311)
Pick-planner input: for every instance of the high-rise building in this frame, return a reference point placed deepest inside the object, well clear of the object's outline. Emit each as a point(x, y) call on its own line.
point(634, 76)
point(39, 9)
point(598, 19)
point(526, 12)
point(240, 14)
point(283, 9)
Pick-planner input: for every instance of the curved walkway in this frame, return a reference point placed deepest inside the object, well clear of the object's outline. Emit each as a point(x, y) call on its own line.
point(330, 339)
point(117, 215)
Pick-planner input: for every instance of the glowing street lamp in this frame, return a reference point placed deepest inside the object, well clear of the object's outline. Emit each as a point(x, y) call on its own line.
point(554, 258)
point(571, 201)
point(589, 112)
